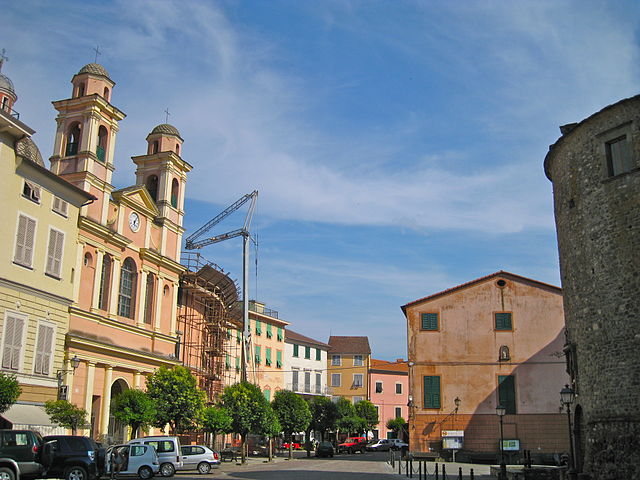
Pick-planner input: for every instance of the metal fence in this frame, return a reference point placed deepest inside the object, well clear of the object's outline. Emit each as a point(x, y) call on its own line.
point(409, 467)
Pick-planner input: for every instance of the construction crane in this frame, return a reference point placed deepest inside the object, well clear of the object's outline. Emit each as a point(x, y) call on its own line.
point(192, 243)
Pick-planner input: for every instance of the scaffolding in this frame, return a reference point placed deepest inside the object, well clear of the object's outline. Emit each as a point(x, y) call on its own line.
point(208, 313)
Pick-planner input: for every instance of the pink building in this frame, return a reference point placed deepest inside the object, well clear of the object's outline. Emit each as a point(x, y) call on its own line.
point(389, 392)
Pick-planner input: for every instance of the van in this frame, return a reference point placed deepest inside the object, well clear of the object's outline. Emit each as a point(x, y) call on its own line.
point(168, 450)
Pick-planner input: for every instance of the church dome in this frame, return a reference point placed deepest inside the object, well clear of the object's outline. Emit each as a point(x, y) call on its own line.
point(166, 129)
point(94, 69)
point(6, 84)
point(25, 147)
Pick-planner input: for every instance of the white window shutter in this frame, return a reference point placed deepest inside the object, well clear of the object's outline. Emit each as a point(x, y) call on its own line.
point(12, 343)
point(29, 238)
point(54, 254)
point(37, 362)
point(20, 239)
point(7, 351)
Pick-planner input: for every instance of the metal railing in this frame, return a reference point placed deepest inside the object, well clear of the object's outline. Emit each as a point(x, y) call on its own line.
point(406, 466)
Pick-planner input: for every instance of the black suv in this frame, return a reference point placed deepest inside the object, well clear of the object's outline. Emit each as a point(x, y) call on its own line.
point(19, 454)
point(72, 457)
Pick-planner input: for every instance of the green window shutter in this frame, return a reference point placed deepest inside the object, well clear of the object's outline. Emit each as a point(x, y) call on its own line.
point(228, 334)
point(295, 350)
point(267, 356)
point(227, 362)
point(238, 337)
point(507, 392)
point(431, 392)
point(258, 327)
point(429, 321)
point(238, 363)
point(503, 321)
point(269, 331)
point(280, 334)
point(279, 358)
point(257, 355)
point(318, 354)
point(267, 395)
point(307, 352)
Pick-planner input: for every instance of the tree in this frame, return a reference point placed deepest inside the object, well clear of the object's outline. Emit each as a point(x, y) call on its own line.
point(179, 402)
point(270, 427)
point(66, 414)
point(246, 405)
point(324, 414)
point(293, 413)
point(348, 420)
point(9, 391)
point(216, 420)
point(134, 408)
point(368, 413)
point(397, 425)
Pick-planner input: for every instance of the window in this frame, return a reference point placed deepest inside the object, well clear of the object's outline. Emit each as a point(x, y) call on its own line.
point(295, 350)
point(237, 364)
point(155, 146)
point(507, 393)
point(227, 362)
point(258, 358)
point(148, 307)
point(357, 360)
point(105, 94)
point(398, 412)
point(14, 326)
point(429, 321)
point(378, 387)
point(318, 383)
point(44, 349)
point(174, 193)
point(398, 389)
point(54, 253)
point(307, 382)
point(335, 360)
point(101, 148)
point(152, 186)
point(73, 139)
point(357, 400)
point(267, 395)
point(431, 392)
point(280, 334)
point(335, 379)
point(238, 336)
point(267, 356)
point(307, 352)
point(258, 327)
point(25, 238)
point(126, 297)
point(278, 358)
point(105, 283)
point(619, 159)
point(60, 206)
point(357, 380)
point(504, 355)
point(502, 320)
point(294, 380)
point(229, 334)
point(269, 331)
point(318, 354)
point(31, 191)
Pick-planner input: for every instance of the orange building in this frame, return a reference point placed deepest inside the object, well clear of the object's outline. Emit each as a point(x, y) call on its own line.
point(495, 340)
point(348, 362)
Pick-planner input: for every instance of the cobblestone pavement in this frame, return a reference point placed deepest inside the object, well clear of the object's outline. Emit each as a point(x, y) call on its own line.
point(369, 466)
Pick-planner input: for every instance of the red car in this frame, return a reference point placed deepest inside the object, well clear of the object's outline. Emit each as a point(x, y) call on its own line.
point(295, 445)
point(353, 445)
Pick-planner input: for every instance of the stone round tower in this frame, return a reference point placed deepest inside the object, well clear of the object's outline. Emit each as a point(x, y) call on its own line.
point(595, 170)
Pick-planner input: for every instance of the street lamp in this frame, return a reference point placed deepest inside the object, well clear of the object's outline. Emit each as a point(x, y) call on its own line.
point(501, 411)
point(75, 362)
point(567, 395)
point(457, 401)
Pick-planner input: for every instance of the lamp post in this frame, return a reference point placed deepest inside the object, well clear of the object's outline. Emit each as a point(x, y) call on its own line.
point(75, 362)
point(501, 411)
point(567, 395)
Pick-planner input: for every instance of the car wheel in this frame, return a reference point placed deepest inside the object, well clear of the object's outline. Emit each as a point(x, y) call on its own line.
point(204, 467)
point(7, 474)
point(75, 473)
point(167, 470)
point(145, 472)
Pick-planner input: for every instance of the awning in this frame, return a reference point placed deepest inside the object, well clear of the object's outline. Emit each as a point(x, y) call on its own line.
point(27, 415)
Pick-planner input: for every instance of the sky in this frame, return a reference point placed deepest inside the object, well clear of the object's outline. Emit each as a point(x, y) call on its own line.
point(397, 146)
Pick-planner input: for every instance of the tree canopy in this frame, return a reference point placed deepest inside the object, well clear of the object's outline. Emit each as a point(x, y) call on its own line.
point(292, 411)
point(179, 402)
point(9, 391)
point(216, 420)
point(66, 414)
point(324, 414)
point(396, 425)
point(368, 413)
point(134, 408)
point(348, 421)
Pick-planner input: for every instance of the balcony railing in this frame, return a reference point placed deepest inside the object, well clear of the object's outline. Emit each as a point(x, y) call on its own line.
point(72, 149)
point(308, 388)
point(258, 308)
point(100, 153)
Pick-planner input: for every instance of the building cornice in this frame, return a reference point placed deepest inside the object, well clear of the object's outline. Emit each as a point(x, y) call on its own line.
point(161, 260)
point(88, 225)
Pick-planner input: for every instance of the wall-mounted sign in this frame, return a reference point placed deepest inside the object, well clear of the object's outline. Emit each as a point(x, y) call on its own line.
point(452, 439)
point(452, 433)
point(511, 445)
point(62, 392)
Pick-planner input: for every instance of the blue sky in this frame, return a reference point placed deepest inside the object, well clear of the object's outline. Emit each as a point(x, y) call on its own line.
point(397, 145)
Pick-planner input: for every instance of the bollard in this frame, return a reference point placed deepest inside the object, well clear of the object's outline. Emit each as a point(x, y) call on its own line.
point(406, 466)
point(444, 471)
point(400, 466)
point(419, 469)
point(471, 474)
point(436, 471)
point(459, 473)
point(411, 468)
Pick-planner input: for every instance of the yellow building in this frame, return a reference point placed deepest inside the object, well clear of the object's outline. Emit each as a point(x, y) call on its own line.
point(348, 366)
point(38, 268)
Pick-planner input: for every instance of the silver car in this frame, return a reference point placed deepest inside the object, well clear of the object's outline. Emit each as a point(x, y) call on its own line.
point(199, 457)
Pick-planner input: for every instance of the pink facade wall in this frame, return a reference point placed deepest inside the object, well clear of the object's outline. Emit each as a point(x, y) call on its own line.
point(388, 401)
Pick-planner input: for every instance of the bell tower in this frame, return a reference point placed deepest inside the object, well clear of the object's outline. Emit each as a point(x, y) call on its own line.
point(85, 140)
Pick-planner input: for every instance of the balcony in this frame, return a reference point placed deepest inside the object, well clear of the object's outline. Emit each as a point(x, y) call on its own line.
point(100, 153)
point(309, 389)
point(260, 308)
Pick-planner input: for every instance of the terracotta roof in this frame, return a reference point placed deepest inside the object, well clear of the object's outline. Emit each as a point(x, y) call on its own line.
point(501, 273)
point(296, 337)
point(94, 69)
point(384, 366)
point(349, 345)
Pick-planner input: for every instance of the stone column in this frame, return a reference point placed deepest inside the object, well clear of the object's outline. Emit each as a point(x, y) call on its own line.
point(157, 314)
point(77, 278)
point(115, 287)
point(88, 392)
point(106, 400)
point(174, 307)
point(137, 377)
point(97, 279)
point(141, 307)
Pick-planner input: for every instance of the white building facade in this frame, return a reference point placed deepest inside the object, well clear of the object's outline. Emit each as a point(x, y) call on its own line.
point(306, 364)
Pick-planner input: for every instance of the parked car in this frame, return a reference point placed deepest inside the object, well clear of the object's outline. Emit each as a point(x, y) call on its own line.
point(20, 454)
point(380, 445)
point(136, 459)
point(199, 457)
point(397, 444)
point(295, 445)
point(72, 457)
point(324, 449)
point(353, 445)
point(168, 450)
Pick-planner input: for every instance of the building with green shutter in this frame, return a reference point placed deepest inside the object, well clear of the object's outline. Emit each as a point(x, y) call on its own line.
point(496, 340)
point(306, 364)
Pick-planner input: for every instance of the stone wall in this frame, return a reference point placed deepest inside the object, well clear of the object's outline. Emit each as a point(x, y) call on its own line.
point(598, 226)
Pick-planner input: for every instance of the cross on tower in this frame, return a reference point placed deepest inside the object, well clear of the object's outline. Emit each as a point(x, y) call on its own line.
point(3, 58)
point(167, 115)
point(97, 50)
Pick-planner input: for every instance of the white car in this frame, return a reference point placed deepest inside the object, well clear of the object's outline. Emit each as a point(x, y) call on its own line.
point(139, 460)
point(199, 457)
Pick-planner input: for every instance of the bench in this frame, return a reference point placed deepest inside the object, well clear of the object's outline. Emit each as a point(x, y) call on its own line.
point(232, 454)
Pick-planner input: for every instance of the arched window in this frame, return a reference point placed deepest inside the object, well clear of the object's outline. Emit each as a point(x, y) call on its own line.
point(149, 299)
point(174, 193)
point(504, 355)
point(152, 186)
point(88, 260)
point(106, 94)
point(178, 148)
point(73, 140)
point(5, 104)
point(105, 283)
point(127, 291)
point(155, 146)
point(80, 91)
point(103, 134)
